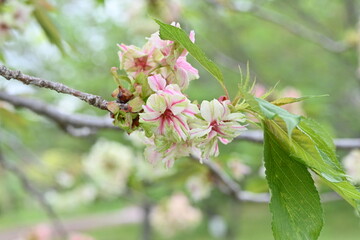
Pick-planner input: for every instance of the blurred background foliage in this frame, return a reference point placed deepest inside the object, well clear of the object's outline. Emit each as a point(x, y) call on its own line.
point(307, 47)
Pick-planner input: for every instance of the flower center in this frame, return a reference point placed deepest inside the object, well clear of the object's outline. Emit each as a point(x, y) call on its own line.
point(168, 114)
point(215, 127)
point(141, 62)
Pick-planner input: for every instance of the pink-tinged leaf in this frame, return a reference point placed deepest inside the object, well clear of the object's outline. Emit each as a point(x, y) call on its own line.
point(113, 107)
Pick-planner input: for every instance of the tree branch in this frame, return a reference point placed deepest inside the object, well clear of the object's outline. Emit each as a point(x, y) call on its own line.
point(28, 186)
point(75, 124)
point(289, 25)
point(93, 100)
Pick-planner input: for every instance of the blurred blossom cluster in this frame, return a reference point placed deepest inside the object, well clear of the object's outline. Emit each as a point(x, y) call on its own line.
point(239, 170)
point(45, 232)
point(14, 15)
point(176, 214)
point(109, 164)
point(199, 187)
point(352, 165)
point(153, 101)
point(69, 200)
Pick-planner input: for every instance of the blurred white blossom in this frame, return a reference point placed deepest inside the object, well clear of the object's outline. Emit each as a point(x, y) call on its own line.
point(109, 165)
point(148, 172)
point(199, 187)
point(217, 226)
point(136, 138)
point(65, 179)
point(69, 200)
point(45, 232)
point(352, 165)
point(239, 170)
point(175, 215)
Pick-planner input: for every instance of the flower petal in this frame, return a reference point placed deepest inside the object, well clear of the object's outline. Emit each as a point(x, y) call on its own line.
point(199, 132)
point(157, 103)
point(157, 82)
point(206, 111)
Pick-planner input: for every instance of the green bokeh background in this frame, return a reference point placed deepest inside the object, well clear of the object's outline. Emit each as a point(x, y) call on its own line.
point(90, 31)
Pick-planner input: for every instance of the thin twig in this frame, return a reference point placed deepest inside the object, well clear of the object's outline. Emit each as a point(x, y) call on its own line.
point(93, 100)
point(32, 190)
point(288, 24)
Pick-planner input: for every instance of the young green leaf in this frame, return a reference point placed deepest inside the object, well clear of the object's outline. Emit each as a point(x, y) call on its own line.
point(311, 146)
point(169, 32)
point(288, 100)
point(326, 149)
point(295, 203)
point(270, 111)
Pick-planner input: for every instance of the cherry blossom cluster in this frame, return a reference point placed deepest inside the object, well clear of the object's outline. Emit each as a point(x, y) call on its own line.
point(156, 76)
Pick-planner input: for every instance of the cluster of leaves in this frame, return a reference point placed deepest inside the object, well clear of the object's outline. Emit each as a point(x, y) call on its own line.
point(293, 145)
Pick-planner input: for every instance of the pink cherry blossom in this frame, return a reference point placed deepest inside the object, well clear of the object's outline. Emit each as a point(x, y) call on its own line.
point(184, 73)
point(179, 72)
point(175, 68)
point(169, 110)
point(218, 124)
point(166, 46)
point(168, 156)
point(135, 60)
point(41, 232)
point(157, 82)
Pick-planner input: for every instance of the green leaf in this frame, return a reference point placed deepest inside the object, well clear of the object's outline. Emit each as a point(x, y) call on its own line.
point(169, 32)
point(326, 148)
point(47, 25)
point(142, 80)
point(244, 86)
point(270, 111)
point(136, 104)
point(311, 146)
point(295, 203)
point(288, 100)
